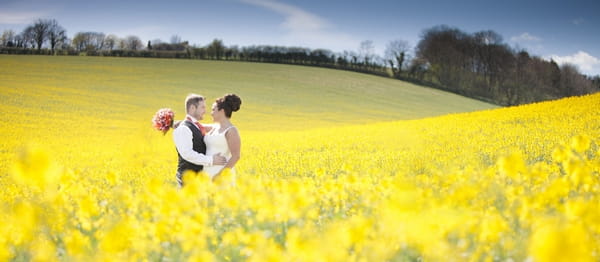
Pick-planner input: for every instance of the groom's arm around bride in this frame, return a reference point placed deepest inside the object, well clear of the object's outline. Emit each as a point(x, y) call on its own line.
point(185, 148)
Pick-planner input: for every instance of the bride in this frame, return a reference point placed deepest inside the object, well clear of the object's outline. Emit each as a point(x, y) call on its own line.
point(223, 138)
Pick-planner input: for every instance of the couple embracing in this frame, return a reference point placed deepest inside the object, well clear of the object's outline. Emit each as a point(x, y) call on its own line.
point(207, 148)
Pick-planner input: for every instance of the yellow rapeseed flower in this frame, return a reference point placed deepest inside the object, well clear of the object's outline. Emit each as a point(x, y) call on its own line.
point(512, 165)
point(580, 143)
point(77, 245)
point(34, 168)
point(553, 240)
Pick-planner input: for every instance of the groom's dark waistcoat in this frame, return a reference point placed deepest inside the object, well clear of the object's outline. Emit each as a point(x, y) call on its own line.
point(197, 144)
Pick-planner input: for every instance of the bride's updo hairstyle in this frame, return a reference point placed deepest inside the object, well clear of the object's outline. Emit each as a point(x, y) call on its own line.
point(229, 103)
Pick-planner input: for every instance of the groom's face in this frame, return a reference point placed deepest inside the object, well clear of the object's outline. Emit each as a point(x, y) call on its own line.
point(198, 111)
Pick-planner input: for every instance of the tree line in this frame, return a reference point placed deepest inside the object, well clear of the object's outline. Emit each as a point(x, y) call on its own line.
point(478, 65)
point(481, 65)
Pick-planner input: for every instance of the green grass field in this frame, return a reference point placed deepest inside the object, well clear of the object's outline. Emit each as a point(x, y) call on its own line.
point(277, 97)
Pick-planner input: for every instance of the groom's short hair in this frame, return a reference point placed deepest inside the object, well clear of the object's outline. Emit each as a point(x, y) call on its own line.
point(192, 99)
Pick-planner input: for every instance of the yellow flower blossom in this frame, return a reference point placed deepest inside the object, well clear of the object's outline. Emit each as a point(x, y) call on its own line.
point(580, 143)
point(509, 184)
point(556, 241)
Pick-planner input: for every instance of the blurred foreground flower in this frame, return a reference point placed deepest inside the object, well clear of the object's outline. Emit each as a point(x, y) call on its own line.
point(34, 168)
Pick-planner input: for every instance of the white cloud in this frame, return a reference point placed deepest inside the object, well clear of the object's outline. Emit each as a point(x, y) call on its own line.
point(525, 37)
point(587, 63)
point(296, 19)
point(303, 28)
point(17, 18)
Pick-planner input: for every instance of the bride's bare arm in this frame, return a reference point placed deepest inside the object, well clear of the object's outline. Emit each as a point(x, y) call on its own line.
point(234, 142)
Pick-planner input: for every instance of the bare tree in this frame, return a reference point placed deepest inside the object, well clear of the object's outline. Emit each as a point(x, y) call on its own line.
point(133, 43)
point(97, 40)
point(346, 55)
point(366, 51)
point(110, 42)
point(485, 45)
point(396, 54)
point(447, 50)
point(57, 35)
point(40, 32)
point(596, 81)
point(27, 38)
point(573, 82)
point(354, 58)
point(8, 38)
point(79, 41)
point(88, 41)
point(122, 43)
point(19, 40)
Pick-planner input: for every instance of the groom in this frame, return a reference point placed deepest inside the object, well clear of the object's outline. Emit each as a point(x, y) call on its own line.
point(189, 140)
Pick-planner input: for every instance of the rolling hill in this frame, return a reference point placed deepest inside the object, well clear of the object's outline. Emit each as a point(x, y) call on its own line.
point(280, 97)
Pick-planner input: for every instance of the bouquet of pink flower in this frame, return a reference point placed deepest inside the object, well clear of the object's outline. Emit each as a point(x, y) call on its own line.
point(163, 120)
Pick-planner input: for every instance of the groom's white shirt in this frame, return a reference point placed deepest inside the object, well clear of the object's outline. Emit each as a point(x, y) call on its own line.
point(182, 136)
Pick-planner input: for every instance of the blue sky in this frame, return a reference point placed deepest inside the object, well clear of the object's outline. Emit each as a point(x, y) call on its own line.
point(568, 31)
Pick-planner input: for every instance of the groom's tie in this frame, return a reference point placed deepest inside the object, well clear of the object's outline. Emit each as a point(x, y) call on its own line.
point(198, 125)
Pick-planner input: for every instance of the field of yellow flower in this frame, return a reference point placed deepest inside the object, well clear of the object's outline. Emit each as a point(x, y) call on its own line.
point(85, 178)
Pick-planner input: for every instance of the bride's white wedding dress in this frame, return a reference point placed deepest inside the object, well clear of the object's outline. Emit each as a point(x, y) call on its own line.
point(216, 142)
